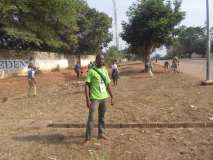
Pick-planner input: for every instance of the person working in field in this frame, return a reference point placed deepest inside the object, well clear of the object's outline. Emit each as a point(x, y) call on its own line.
point(97, 91)
point(175, 64)
point(166, 66)
point(31, 80)
point(115, 73)
point(78, 70)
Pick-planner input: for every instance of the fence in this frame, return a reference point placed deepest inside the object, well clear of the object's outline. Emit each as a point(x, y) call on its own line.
point(14, 63)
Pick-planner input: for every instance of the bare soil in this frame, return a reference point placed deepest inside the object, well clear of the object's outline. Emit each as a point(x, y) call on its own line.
point(167, 97)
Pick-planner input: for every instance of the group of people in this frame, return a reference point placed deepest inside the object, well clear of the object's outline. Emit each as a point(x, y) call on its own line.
point(97, 91)
point(174, 66)
point(114, 70)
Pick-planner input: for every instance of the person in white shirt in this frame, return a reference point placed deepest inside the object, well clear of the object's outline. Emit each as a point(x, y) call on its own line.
point(115, 73)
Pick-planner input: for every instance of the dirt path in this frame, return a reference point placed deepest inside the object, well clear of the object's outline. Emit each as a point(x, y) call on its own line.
point(193, 67)
point(138, 99)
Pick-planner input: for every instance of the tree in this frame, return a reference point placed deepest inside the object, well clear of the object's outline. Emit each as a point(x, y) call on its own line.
point(47, 23)
point(12, 35)
point(93, 32)
point(113, 54)
point(189, 40)
point(53, 25)
point(151, 25)
point(193, 40)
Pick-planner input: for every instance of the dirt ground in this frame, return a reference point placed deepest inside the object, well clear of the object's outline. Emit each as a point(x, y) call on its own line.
point(167, 97)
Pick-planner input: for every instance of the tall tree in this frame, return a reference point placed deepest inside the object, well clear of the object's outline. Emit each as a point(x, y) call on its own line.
point(53, 25)
point(12, 34)
point(49, 23)
point(93, 31)
point(189, 40)
point(151, 25)
point(192, 39)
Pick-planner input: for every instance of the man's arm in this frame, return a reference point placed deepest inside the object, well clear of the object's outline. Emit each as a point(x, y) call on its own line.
point(87, 91)
point(110, 93)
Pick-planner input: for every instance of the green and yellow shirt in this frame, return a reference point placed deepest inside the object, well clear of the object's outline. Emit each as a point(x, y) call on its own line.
point(98, 90)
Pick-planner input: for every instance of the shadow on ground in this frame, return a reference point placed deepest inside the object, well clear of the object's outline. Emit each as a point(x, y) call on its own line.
point(127, 72)
point(56, 138)
point(139, 72)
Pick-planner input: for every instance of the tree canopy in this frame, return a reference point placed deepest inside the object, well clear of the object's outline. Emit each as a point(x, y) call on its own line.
point(93, 31)
point(151, 25)
point(189, 40)
point(114, 54)
point(55, 25)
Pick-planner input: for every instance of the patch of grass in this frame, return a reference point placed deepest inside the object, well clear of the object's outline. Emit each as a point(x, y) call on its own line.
point(103, 155)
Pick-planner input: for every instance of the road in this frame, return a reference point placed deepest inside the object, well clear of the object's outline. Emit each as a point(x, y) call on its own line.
point(195, 68)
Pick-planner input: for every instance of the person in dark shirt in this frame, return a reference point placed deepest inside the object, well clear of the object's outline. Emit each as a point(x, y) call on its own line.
point(78, 69)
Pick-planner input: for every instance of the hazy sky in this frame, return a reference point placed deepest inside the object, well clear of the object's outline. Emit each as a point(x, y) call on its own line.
point(195, 10)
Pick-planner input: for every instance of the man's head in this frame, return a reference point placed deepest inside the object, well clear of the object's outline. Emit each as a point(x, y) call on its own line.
point(99, 60)
point(31, 58)
point(30, 65)
point(114, 61)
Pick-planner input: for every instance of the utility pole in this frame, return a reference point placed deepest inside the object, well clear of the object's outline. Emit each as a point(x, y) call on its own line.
point(208, 66)
point(208, 50)
point(116, 24)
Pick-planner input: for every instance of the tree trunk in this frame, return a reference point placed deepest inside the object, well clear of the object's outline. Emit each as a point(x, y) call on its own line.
point(146, 63)
point(146, 60)
point(79, 58)
point(148, 49)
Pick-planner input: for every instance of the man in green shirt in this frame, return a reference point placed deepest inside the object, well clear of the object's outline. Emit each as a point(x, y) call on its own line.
point(97, 90)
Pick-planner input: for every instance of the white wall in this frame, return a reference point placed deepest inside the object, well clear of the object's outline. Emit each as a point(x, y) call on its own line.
point(86, 60)
point(48, 65)
point(45, 61)
point(12, 67)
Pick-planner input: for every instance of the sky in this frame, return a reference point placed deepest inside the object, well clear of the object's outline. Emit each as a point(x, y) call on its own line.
point(195, 12)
